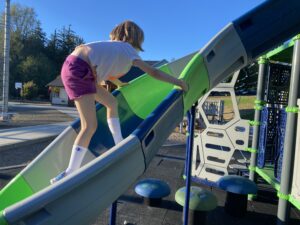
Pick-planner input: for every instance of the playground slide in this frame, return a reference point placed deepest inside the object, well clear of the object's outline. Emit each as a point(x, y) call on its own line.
point(149, 111)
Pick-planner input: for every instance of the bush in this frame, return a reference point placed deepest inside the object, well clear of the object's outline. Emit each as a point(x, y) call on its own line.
point(29, 90)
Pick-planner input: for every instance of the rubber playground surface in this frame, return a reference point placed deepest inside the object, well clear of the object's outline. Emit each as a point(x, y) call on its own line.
point(168, 165)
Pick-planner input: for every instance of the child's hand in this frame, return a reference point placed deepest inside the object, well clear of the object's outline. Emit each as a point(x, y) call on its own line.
point(183, 85)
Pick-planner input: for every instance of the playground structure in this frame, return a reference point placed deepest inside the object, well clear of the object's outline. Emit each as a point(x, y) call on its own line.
point(147, 120)
point(276, 113)
point(216, 144)
point(278, 78)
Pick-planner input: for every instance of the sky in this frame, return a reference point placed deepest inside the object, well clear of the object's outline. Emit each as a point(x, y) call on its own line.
point(173, 28)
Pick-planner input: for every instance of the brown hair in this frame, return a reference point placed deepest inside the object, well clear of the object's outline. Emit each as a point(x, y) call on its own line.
point(130, 32)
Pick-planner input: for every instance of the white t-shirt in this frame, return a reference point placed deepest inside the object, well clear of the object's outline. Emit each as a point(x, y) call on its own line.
point(112, 59)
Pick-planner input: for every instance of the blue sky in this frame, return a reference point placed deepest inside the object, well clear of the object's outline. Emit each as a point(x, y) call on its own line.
point(173, 28)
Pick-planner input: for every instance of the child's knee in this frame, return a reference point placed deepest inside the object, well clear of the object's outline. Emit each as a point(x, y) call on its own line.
point(93, 127)
point(90, 129)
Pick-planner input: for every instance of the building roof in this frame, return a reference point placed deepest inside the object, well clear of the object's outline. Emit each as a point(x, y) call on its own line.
point(133, 73)
point(57, 82)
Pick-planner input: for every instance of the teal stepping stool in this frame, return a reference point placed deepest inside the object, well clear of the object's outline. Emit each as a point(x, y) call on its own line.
point(201, 202)
point(238, 188)
point(153, 190)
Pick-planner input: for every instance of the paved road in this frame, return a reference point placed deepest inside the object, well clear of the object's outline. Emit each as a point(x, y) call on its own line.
point(28, 114)
point(16, 106)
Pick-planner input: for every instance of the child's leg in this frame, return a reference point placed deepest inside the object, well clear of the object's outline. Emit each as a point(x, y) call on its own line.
point(115, 129)
point(87, 113)
point(111, 103)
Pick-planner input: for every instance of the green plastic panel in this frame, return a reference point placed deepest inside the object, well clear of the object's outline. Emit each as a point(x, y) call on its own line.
point(294, 202)
point(200, 199)
point(196, 76)
point(267, 173)
point(282, 53)
point(145, 93)
point(17, 190)
point(2, 219)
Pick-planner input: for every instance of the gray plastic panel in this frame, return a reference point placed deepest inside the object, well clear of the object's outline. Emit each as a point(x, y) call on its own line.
point(162, 129)
point(232, 82)
point(234, 106)
point(217, 143)
point(212, 173)
point(223, 55)
point(296, 175)
point(79, 198)
point(53, 160)
point(178, 65)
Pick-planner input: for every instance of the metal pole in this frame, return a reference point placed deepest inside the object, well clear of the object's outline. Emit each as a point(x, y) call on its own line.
point(289, 139)
point(190, 142)
point(262, 73)
point(113, 214)
point(6, 62)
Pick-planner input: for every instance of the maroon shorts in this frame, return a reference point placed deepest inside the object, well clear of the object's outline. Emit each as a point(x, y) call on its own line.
point(77, 77)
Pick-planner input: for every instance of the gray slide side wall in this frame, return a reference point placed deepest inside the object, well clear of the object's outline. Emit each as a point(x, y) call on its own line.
point(161, 127)
point(84, 194)
point(250, 36)
point(223, 55)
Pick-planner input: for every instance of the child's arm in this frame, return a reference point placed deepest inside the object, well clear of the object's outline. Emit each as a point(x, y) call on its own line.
point(160, 75)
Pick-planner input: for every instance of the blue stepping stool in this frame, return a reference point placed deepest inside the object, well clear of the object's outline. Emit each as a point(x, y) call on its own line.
point(153, 190)
point(238, 188)
point(201, 201)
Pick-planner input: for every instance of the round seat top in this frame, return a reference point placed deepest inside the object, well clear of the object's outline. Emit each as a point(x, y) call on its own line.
point(200, 199)
point(152, 188)
point(237, 184)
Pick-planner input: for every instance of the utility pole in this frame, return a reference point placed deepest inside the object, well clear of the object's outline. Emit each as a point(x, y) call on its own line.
point(5, 116)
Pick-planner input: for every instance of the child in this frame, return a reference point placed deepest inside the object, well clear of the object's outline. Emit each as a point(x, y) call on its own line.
point(92, 63)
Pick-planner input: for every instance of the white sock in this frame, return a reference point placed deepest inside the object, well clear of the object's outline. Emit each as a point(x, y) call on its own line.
point(115, 129)
point(77, 155)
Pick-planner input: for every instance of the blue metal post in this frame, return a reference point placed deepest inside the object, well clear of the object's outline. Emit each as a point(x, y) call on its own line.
point(189, 148)
point(187, 151)
point(113, 213)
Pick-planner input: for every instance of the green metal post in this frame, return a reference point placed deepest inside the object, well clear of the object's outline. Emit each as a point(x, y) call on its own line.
point(262, 73)
point(289, 140)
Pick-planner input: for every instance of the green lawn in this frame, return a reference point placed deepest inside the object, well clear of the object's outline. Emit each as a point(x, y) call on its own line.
point(245, 105)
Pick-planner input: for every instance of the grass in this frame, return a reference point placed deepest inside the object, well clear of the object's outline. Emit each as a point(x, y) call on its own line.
point(245, 106)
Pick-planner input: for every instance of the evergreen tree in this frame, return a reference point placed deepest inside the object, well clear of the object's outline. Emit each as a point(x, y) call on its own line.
point(32, 56)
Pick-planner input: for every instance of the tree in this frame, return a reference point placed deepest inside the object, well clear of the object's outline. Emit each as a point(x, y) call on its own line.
point(28, 59)
point(61, 44)
point(32, 56)
point(29, 90)
point(23, 20)
point(67, 40)
point(39, 69)
point(24, 24)
point(35, 42)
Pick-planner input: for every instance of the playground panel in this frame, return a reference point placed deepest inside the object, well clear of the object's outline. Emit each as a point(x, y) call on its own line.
point(295, 193)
